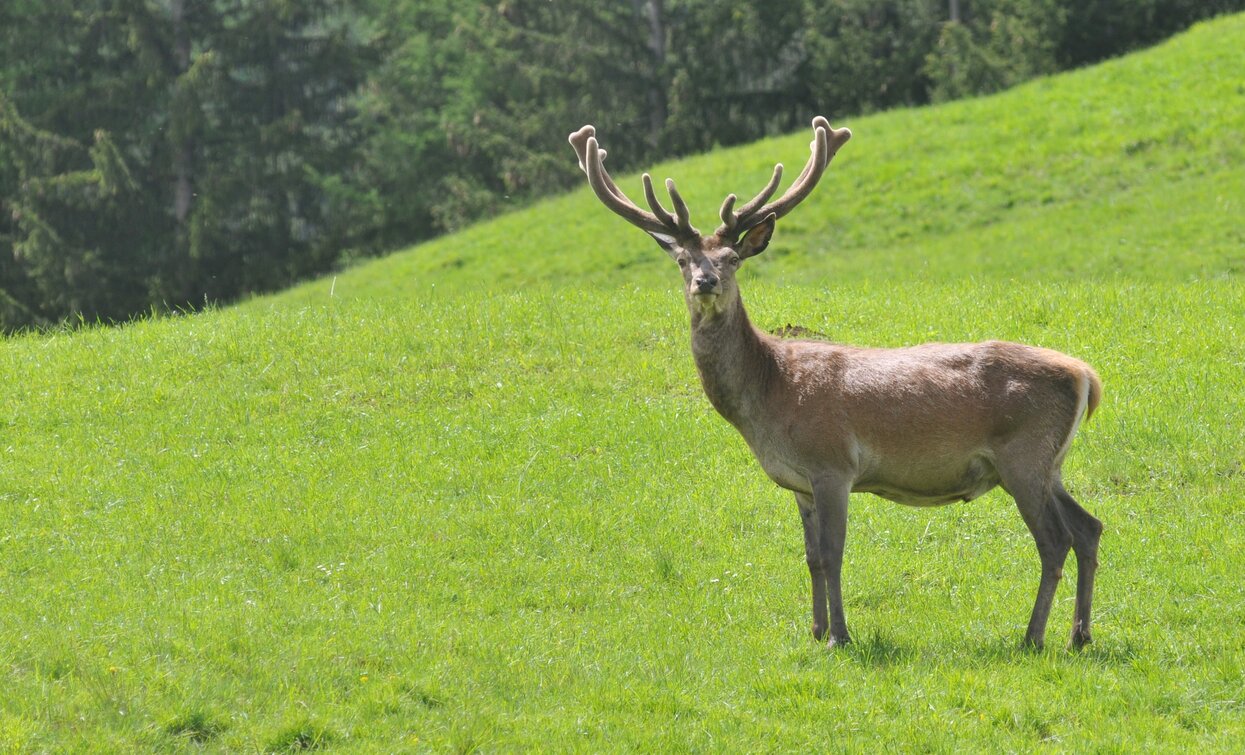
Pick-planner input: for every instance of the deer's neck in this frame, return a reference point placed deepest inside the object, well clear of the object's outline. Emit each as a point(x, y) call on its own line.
point(735, 362)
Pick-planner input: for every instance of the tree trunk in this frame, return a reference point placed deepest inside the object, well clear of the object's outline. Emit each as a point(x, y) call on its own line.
point(655, 12)
point(183, 152)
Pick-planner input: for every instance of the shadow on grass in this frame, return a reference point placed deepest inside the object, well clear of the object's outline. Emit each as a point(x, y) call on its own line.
point(302, 735)
point(877, 650)
point(1008, 650)
point(196, 726)
point(882, 650)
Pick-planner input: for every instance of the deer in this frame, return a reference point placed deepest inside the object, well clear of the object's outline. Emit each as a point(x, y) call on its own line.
point(923, 425)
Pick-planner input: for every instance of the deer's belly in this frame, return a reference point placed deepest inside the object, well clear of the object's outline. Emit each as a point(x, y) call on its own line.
point(930, 484)
point(931, 480)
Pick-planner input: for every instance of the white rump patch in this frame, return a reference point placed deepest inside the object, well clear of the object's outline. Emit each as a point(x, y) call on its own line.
point(1081, 405)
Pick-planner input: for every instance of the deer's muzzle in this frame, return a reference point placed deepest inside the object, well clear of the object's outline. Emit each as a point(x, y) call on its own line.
point(706, 285)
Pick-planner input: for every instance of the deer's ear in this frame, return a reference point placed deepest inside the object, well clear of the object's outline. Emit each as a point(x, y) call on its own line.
point(757, 237)
point(666, 242)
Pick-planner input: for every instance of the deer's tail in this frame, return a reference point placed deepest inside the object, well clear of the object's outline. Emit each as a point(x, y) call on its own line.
point(1095, 391)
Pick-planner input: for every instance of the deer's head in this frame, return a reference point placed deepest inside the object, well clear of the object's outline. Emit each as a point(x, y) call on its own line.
point(709, 262)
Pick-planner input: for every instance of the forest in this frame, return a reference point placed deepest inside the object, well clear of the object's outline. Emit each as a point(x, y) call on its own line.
point(164, 155)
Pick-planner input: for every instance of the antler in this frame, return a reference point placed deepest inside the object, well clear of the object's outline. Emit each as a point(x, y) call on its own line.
point(660, 220)
point(826, 143)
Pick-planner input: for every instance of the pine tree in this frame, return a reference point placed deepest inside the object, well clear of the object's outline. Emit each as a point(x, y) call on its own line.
point(166, 153)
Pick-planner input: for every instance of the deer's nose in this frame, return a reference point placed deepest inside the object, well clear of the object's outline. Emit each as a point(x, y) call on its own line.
point(706, 284)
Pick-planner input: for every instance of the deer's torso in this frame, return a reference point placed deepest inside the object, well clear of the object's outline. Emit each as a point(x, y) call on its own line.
point(912, 425)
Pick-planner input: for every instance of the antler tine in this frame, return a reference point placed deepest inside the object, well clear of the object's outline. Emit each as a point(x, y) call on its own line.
point(826, 142)
point(579, 142)
point(730, 221)
point(807, 179)
point(765, 194)
point(609, 182)
point(661, 212)
point(819, 123)
point(728, 217)
point(591, 160)
point(680, 208)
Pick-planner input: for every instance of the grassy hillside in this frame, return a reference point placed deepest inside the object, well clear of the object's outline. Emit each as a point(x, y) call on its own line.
point(471, 497)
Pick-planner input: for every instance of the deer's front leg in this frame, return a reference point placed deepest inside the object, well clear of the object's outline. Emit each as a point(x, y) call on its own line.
point(812, 554)
point(830, 499)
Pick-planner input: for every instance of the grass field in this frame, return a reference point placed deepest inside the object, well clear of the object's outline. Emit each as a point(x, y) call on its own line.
point(470, 497)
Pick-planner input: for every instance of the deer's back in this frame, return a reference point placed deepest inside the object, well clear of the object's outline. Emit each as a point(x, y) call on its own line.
point(931, 407)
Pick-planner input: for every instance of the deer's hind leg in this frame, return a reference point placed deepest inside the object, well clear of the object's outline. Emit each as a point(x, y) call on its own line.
point(1033, 490)
point(1086, 531)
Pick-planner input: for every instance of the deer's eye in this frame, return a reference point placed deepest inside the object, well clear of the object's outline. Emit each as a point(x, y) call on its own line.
point(682, 261)
point(733, 259)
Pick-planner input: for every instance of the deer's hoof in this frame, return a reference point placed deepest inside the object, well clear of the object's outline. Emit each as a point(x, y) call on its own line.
point(838, 641)
point(1031, 645)
point(819, 631)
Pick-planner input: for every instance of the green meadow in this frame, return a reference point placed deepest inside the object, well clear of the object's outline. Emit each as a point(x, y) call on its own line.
point(471, 497)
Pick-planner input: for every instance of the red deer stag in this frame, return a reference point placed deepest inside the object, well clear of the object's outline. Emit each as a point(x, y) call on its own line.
point(922, 426)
